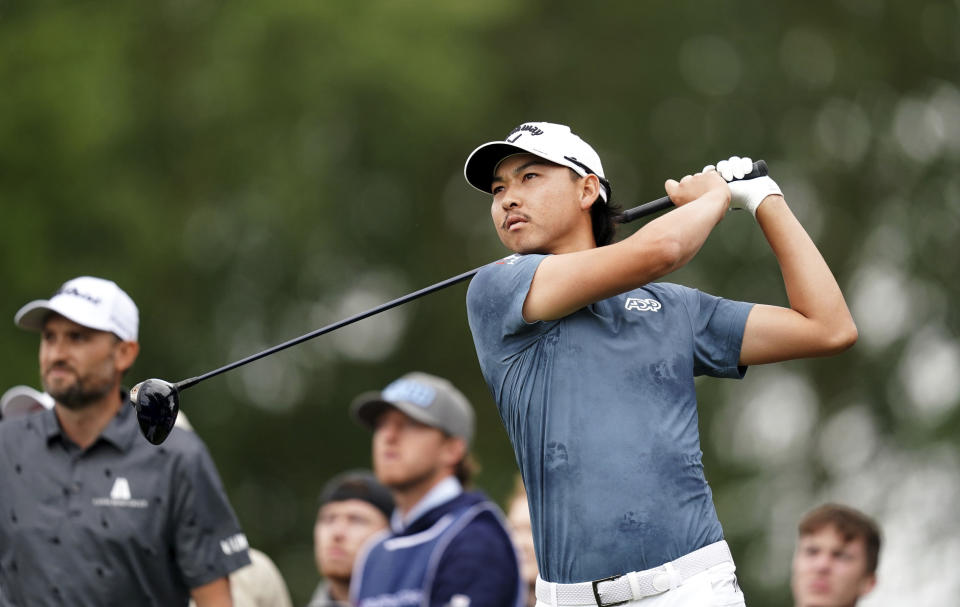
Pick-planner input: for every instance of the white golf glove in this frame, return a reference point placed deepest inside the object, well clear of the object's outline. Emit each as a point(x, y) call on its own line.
point(745, 193)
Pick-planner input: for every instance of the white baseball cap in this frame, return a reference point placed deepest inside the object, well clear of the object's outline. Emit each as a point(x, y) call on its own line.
point(95, 303)
point(21, 400)
point(553, 142)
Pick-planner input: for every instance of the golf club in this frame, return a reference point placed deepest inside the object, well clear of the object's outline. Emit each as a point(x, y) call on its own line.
point(157, 401)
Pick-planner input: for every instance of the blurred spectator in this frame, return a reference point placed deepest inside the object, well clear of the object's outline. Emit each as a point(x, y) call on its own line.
point(835, 563)
point(518, 520)
point(122, 522)
point(259, 584)
point(23, 400)
point(353, 508)
point(447, 547)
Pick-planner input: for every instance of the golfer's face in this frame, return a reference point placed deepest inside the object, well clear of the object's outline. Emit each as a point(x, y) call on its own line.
point(77, 364)
point(535, 205)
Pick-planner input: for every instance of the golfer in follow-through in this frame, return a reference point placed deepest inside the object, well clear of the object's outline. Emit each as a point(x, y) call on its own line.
point(592, 364)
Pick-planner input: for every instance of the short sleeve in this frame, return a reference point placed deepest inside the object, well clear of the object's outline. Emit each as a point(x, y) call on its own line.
point(495, 305)
point(208, 541)
point(718, 325)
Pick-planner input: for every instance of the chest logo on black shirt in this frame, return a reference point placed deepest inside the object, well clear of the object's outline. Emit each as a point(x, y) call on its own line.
point(643, 305)
point(120, 496)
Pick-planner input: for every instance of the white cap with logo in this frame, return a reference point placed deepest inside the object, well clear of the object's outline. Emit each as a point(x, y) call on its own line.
point(21, 400)
point(92, 302)
point(553, 142)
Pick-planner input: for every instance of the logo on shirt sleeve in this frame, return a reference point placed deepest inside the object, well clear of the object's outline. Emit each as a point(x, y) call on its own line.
point(643, 305)
point(234, 544)
point(509, 260)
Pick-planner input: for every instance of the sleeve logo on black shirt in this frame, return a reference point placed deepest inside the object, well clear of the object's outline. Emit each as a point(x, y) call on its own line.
point(234, 544)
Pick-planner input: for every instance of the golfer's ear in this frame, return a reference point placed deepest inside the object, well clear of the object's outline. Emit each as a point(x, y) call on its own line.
point(127, 352)
point(589, 190)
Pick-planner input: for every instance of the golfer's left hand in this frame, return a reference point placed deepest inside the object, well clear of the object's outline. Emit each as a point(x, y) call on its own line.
point(745, 193)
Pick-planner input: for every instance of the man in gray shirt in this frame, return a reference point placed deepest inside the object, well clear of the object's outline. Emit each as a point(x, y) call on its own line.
point(93, 514)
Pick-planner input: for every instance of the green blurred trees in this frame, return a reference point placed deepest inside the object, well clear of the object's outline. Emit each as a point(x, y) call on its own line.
point(251, 171)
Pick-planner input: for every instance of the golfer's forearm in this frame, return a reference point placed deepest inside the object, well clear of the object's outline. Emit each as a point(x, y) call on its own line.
point(811, 287)
point(213, 594)
point(565, 283)
point(677, 236)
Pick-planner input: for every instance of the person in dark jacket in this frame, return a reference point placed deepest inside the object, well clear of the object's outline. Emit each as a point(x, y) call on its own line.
point(446, 547)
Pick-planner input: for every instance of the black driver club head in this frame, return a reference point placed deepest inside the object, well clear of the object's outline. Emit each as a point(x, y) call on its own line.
point(157, 403)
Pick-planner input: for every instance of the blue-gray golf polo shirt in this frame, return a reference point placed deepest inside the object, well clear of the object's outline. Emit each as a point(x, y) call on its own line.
point(123, 522)
point(601, 409)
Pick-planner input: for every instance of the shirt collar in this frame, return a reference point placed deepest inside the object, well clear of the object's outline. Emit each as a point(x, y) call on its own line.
point(441, 493)
point(51, 427)
point(123, 429)
point(120, 432)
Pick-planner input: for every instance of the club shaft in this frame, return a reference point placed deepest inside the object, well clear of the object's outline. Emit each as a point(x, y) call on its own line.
point(759, 169)
point(183, 385)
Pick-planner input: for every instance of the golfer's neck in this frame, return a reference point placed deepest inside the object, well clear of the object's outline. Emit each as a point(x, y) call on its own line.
point(407, 498)
point(83, 426)
point(579, 241)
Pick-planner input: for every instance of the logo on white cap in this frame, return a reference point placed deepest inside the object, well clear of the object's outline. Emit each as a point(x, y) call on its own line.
point(529, 128)
point(95, 303)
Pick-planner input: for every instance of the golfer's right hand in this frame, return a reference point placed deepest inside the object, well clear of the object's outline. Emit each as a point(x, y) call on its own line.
point(693, 187)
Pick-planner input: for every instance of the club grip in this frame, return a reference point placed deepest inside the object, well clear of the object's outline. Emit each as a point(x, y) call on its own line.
point(759, 170)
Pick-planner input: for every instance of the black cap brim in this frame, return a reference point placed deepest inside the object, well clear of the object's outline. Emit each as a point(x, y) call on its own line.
point(479, 167)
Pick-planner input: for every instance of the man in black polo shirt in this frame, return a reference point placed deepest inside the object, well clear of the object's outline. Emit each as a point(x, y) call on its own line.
point(90, 512)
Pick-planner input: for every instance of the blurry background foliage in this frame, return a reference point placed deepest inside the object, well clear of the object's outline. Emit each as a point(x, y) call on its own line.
point(249, 171)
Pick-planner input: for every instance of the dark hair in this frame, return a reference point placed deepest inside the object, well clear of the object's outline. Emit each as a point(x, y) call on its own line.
point(465, 470)
point(850, 523)
point(603, 217)
point(357, 485)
